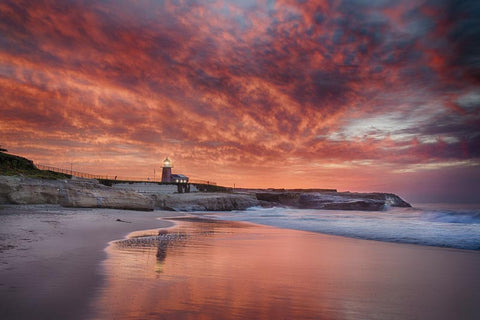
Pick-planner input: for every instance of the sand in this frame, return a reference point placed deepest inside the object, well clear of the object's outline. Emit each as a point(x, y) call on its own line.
point(230, 270)
point(54, 266)
point(50, 257)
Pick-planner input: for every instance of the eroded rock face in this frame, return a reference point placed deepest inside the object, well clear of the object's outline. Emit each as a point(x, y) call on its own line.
point(70, 193)
point(19, 190)
point(333, 200)
point(91, 194)
point(100, 196)
point(200, 201)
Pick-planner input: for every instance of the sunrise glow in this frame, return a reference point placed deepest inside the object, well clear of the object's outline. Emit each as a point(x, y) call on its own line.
point(353, 95)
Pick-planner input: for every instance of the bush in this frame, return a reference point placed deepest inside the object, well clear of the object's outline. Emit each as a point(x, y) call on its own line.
point(11, 165)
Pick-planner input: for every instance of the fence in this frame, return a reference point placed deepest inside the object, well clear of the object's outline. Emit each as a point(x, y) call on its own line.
point(198, 181)
point(73, 173)
point(108, 177)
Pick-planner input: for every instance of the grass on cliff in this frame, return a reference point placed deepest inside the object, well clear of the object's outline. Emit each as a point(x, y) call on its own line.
point(11, 165)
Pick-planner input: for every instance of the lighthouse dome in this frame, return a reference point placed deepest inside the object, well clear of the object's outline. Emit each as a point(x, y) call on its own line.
point(167, 163)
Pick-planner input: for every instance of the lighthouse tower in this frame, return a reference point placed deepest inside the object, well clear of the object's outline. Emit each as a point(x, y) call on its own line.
point(167, 170)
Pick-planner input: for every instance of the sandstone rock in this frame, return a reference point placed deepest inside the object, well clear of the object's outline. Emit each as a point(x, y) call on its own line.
point(89, 193)
point(19, 190)
point(333, 200)
point(360, 205)
point(200, 201)
point(70, 193)
point(284, 198)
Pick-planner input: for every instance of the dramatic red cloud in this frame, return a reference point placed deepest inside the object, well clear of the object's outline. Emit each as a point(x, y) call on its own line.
point(355, 95)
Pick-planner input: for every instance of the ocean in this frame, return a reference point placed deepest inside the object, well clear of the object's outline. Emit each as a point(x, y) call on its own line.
point(216, 269)
point(441, 225)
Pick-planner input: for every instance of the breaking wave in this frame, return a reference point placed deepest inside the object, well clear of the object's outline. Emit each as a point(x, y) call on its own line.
point(459, 228)
point(450, 216)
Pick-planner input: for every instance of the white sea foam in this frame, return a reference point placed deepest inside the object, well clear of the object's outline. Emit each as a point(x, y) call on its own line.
point(455, 228)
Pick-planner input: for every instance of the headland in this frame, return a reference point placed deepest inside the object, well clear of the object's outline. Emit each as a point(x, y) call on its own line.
point(22, 183)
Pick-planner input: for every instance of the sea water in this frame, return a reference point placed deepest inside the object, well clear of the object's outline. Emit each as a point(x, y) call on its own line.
point(214, 269)
point(442, 225)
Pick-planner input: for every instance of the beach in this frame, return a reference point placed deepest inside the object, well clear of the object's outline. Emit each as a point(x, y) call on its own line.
point(51, 256)
point(232, 270)
point(73, 264)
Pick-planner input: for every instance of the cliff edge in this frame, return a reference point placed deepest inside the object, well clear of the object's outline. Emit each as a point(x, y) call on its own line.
point(69, 193)
point(332, 200)
point(86, 193)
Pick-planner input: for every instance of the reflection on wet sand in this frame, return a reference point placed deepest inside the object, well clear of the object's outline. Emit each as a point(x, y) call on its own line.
point(204, 269)
point(147, 242)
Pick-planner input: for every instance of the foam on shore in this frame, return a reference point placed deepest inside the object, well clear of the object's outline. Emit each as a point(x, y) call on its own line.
point(433, 226)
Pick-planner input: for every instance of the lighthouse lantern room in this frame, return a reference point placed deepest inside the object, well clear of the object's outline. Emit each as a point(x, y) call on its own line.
point(167, 170)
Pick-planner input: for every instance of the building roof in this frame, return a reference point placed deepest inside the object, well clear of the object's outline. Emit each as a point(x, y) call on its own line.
point(179, 176)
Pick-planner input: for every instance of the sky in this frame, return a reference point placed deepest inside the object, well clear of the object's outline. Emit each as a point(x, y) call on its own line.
point(357, 95)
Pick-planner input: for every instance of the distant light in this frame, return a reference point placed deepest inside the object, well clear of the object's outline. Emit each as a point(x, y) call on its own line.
point(167, 163)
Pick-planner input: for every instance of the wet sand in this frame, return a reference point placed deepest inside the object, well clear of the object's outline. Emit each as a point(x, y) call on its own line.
point(54, 266)
point(225, 270)
point(50, 257)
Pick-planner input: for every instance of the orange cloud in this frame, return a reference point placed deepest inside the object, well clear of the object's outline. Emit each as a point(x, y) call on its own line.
point(282, 94)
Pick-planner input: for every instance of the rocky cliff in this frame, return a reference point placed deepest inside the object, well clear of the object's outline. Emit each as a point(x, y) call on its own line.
point(91, 194)
point(333, 200)
point(205, 201)
point(70, 193)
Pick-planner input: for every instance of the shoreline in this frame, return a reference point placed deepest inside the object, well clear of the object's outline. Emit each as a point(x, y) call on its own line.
point(450, 228)
point(238, 270)
point(51, 256)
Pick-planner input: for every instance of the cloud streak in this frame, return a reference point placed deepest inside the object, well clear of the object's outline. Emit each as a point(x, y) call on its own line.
point(229, 88)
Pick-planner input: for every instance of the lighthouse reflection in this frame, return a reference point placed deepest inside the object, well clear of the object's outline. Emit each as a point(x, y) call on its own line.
point(162, 247)
point(213, 270)
point(169, 240)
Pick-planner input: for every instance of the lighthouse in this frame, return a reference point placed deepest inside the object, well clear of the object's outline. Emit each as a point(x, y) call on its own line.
point(167, 170)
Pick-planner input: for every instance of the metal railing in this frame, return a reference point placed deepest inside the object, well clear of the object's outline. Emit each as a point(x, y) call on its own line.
point(198, 181)
point(109, 177)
